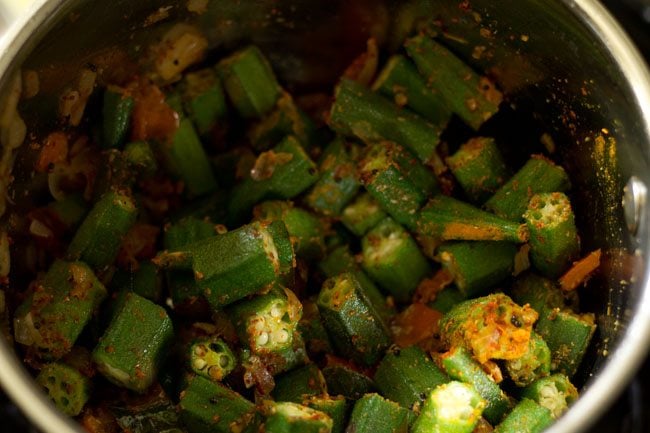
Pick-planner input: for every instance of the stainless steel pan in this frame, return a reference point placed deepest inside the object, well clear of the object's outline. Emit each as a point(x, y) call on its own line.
point(565, 63)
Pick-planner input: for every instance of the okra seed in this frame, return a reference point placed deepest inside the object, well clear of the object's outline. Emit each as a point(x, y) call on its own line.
point(276, 311)
point(262, 339)
point(223, 362)
point(282, 336)
point(199, 364)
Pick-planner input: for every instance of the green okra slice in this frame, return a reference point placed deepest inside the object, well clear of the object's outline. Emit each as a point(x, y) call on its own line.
point(447, 218)
point(447, 299)
point(335, 407)
point(555, 393)
point(52, 318)
point(406, 376)
point(212, 358)
point(568, 336)
point(554, 242)
point(341, 260)
point(140, 158)
point(398, 181)
point(526, 417)
point(146, 281)
point(358, 112)
point(159, 416)
point(99, 236)
point(374, 414)
point(266, 323)
point(287, 359)
point(477, 266)
point(186, 158)
point(285, 119)
point(298, 384)
point(287, 417)
point(249, 82)
point(392, 258)
point(338, 182)
point(203, 100)
point(362, 214)
point(117, 106)
point(281, 173)
point(132, 359)
point(355, 327)
point(538, 175)
point(345, 381)
point(286, 252)
point(459, 365)
point(307, 230)
point(312, 329)
point(541, 293)
point(479, 168)
point(494, 318)
point(66, 387)
point(535, 363)
point(209, 407)
point(401, 81)
point(472, 97)
point(453, 407)
point(230, 266)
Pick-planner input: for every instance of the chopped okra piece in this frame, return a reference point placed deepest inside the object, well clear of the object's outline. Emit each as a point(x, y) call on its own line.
point(537, 176)
point(305, 228)
point(140, 158)
point(358, 112)
point(554, 242)
point(249, 82)
point(541, 293)
point(51, 319)
point(448, 219)
point(392, 258)
point(452, 407)
point(401, 81)
point(535, 363)
point(285, 119)
point(146, 281)
point(67, 387)
point(495, 318)
point(526, 417)
point(99, 236)
point(362, 214)
point(339, 260)
point(355, 327)
point(286, 253)
point(230, 266)
point(374, 414)
point(343, 380)
point(459, 365)
point(472, 97)
point(567, 336)
point(287, 359)
point(131, 359)
point(116, 117)
point(280, 173)
point(335, 407)
point(212, 358)
point(447, 299)
point(286, 417)
point(477, 266)
point(406, 376)
point(266, 323)
point(203, 100)
point(555, 393)
point(208, 407)
point(298, 384)
point(159, 416)
point(479, 168)
point(186, 158)
point(338, 182)
point(397, 180)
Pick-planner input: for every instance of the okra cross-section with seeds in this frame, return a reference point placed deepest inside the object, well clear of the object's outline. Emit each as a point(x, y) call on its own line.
point(67, 387)
point(212, 358)
point(554, 392)
point(354, 325)
point(266, 323)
